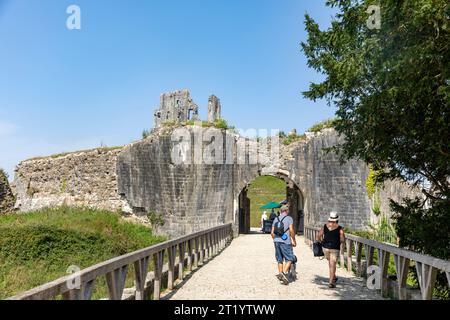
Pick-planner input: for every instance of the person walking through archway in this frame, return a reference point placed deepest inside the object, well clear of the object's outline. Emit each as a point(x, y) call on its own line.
point(263, 220)
point(283, 235)
point(272, 216)
point(332, 236)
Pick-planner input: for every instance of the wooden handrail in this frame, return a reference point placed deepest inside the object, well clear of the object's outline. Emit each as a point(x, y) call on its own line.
point(426, 266)
point(200, 244)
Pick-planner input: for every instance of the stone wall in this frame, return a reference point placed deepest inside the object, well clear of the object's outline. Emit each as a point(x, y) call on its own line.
point(143, 178)
point(395, 190)
point(326, 184)
point(194, 197)
point(188, 197)
point(85, 178)
point(6, 196)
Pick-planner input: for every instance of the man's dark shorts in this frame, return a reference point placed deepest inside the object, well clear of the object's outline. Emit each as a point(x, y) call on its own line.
point(283, 251)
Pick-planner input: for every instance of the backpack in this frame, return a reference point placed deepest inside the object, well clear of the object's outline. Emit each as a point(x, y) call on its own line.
point(279, 227)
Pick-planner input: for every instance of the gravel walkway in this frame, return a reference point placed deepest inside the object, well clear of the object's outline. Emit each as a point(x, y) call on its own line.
point(247, 268)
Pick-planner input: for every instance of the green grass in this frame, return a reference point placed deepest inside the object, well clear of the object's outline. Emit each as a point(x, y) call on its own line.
point(218, 123)
point(261, 191)
point(38, 247)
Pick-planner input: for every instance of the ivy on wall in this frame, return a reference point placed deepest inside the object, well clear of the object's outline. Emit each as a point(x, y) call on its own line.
point(372, 186)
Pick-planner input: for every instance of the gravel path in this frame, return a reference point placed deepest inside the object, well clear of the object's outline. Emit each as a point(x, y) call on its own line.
point(247, 268)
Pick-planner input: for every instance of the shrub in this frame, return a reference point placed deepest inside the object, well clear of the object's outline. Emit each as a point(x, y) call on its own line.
point(287, 140)
point(221, 124)
point(145, 134)
point(330, 123)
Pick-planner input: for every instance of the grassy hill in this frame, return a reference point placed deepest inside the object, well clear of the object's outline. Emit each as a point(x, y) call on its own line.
point(38, 247)
point(261, 191)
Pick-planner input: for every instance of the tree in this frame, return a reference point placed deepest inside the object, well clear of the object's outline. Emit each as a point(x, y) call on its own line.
point(391, 87)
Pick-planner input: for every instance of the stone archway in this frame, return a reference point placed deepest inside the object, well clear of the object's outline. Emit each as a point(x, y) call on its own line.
point(294, 196)
point(198, 196)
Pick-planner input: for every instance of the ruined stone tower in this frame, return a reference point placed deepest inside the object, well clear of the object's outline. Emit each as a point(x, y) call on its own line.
point(176, 107)
point(214, 109)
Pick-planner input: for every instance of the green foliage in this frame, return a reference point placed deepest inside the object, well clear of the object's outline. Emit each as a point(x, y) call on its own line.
point(169, 124)
point(145, 134)
point(322, 125)
point(156, 219)
point(38, 247)
point(373, 181)
point(63, 185)
point(291, 138)
point(376, 208)
point(391, 88)
point(263, 190)
point(372, 186)
point(221, 124)
point(383, 231)
point(370, 183)
point(425, 230)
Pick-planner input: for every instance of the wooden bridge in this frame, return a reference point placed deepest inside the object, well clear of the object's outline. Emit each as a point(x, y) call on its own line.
point(212, 265)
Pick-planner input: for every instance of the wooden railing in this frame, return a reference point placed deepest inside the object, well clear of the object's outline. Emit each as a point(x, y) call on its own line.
point(427, 267)
point(187, 251)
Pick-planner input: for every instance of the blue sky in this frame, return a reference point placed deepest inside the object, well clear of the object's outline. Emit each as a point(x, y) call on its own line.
point(63, 90)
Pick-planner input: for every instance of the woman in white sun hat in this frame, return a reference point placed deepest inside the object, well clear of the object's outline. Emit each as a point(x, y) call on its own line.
point(332, 235)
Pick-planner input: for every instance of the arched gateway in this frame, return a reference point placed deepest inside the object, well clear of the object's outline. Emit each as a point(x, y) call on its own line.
point(196, 195)
point(295, 199)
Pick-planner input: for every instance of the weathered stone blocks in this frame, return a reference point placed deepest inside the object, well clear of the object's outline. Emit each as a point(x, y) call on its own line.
point(6, 195)
point(85, 178)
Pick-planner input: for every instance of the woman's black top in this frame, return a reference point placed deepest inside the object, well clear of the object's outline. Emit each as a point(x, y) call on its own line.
point(332, 238)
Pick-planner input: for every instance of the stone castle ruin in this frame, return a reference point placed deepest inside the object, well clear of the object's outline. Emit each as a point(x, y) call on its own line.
point(142, 179)
point(178, 107)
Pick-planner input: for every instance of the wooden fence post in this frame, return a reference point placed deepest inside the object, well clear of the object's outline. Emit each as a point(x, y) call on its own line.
point(342, 255)
point(383, 263)
point(196, 252)
point(349, 246)
point(116, 282)
point(172, 252)
point(358, 254)
point(427, 278)
point(401, 268)
point(190, 257)
point(368, 250)
point(202, 253)
point(158, 260)
point(140, 275)
point(181, 256)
